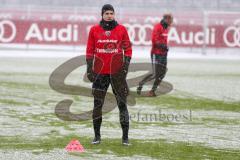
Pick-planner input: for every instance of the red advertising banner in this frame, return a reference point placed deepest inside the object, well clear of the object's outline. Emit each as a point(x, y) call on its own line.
point(67, 32)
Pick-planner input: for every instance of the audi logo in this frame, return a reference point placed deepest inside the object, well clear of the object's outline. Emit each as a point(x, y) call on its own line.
point(138, 33)
point(152, 19)
point(5, 36)
point(235, 31)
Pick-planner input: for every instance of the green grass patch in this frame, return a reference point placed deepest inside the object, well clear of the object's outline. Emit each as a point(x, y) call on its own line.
point(135, 124)
point(222, 121)
point(23, 74)
point(22, 85)
point(14, 102)
point(154, 148)
point(190, 103)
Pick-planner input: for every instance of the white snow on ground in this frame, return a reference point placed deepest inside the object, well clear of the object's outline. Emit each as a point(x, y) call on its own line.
point(211, 78)
point(209, 133)
point(138, 52)
point(214, 78)
point(58, 154)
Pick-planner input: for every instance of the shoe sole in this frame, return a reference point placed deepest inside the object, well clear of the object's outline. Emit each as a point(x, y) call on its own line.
point(96, 142)
point(126, 144)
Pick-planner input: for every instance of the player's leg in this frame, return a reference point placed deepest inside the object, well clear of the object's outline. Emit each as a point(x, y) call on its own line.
point(147, 78)
point(160, 72)
point(120, 90)
point(100, 86)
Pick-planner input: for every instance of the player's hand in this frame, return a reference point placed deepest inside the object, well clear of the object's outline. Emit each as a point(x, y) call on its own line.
point(124, 73)
point(162, 46)
point(91, 76)
point(125, 66)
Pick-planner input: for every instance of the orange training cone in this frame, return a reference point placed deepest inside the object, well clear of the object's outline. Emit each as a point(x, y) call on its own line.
point(74, 146)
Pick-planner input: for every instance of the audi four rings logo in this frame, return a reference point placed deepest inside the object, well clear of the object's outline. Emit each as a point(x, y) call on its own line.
point(4, 36)
point(138, 38)
point(235, 32)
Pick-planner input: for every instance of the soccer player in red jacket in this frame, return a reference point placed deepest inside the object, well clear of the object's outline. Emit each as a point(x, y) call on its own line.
point(108, 55)
point(158, 54)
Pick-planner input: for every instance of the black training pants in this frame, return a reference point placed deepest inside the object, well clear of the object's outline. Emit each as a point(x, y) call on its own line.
point(120, 90)
point(159, 69)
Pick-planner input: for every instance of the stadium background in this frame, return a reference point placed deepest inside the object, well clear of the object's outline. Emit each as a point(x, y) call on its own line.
point(36, 37)
point(197, 24)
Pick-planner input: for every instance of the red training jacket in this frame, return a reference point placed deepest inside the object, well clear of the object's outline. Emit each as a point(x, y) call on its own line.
point(159, 36)
point(108, 48)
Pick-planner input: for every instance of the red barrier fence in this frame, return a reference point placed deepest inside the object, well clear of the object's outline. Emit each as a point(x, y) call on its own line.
point(212, 30)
